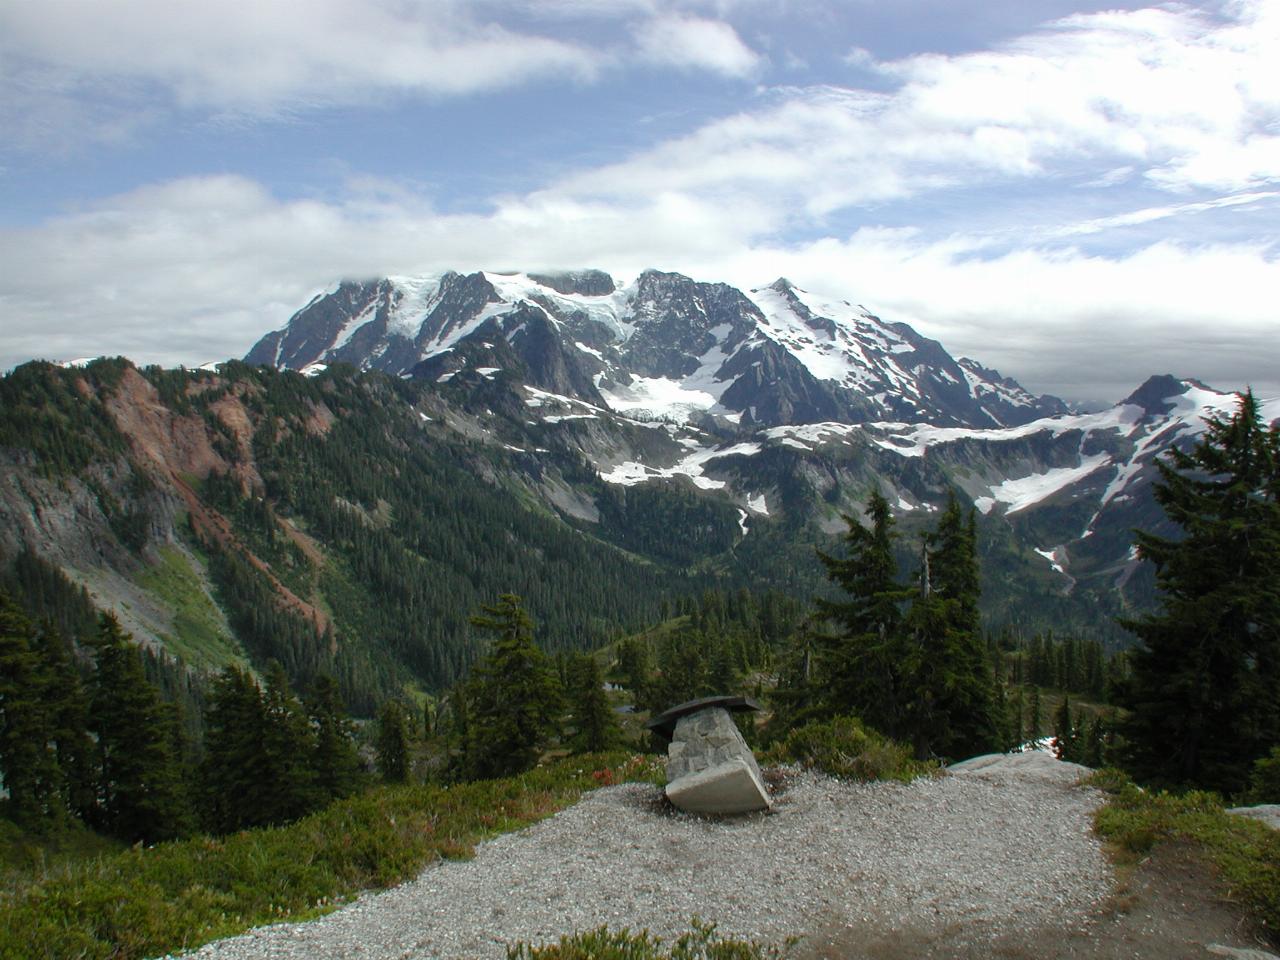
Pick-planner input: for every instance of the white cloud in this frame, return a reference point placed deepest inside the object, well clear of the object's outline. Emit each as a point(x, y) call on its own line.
point(1152, 214)
point(216, 262)
point(97, 70)
point(695, 43)
point(1165, 97)
point(1169, 94)
point(1060, 321)
point(257, 56)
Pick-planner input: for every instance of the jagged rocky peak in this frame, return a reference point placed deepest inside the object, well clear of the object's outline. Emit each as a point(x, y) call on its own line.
point(678, 321)
point(1157, 395)
point(664, 345)
point(590, 283)
point(790, 294)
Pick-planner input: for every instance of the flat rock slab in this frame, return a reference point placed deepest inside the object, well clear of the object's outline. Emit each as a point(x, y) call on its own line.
point(665, 723)
point(1031, 765)
point(727, 788)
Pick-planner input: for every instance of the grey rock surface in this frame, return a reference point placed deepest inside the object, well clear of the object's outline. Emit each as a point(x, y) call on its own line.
point(704, 739)
point(1268, 813)
point(979, 854)
point(1013, 767)
point(1240, 953)
point(710, 768)
point(727, 789)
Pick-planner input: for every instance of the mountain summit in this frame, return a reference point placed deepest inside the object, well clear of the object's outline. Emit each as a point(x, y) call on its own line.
point(663, 347)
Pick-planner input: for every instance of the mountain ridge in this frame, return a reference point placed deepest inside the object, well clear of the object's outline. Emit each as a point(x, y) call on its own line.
point(595, 449)
point(665, 343)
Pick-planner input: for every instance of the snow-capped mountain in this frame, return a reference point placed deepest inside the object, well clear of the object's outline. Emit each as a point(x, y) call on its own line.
point(781, 404)
point(664, 346)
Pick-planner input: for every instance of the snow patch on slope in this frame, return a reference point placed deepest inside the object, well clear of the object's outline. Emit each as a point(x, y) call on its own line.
point(1026, 491)
point(610, 309)
point(632, 472)
point(417, 296)
point(912, 440)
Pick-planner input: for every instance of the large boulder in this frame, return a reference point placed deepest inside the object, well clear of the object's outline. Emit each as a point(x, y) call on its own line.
point(710, 768)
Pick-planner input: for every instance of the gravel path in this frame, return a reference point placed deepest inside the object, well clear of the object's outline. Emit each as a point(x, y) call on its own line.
point(988, 848)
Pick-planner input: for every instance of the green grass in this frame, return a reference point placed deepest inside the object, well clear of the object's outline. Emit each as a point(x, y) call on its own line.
point(700, 943)
point(845, 749)
point(26, 857)
point(1245, 851)
point(200, 634)
point(175, 896)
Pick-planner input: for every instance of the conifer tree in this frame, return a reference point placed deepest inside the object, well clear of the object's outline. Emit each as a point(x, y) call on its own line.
point(798, 696)
point(964, 688)
point(1204, 694)
point(861, 662)
point(288, 748)
point(516, 698)
point(1064, 732)
point(392, 744)
point(1017, 713)
point(685, 672)
point(140, 786)
point(1093, 746)
point(27, 766)
point(336, 763)
point(596, 726)
point(1035, 717)
point(68, 706)
point(929, 639)
point(234, 775)
point(635, 667)
point(460, 721)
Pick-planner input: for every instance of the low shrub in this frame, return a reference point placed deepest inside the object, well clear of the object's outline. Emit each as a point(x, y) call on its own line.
point(700, 943)
point(846, 749)
point(1245, 851)
point(176, 896)
point(1264, 785)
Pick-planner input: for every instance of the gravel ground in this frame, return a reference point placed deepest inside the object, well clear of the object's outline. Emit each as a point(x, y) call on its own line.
point(986, 849)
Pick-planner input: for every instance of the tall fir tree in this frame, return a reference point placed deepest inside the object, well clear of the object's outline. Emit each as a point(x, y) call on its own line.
point(595, 726)
point(921, 675)
point(28, 767)
point(68, 705)
point(392, 744)
point(1204, 693)
point(861, 661)
point(516, 697)
point(1035, 716)
point(1065, 732)
point(288, 747)
point(140, 788)
point(234, 778)
point(967, 689)
point(337, 762)
point(635, 667)
point(1017, 713)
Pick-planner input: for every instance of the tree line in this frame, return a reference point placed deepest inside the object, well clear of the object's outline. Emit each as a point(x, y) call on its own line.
point(905, 654)
point(1199, 694)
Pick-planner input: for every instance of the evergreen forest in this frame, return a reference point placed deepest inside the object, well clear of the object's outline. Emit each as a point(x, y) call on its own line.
point(402, 612)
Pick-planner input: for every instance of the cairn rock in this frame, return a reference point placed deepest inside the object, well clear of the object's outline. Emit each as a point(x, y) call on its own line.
point(710, 768)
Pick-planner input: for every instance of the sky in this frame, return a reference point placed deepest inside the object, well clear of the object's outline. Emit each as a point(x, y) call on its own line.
point(1077, 194)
